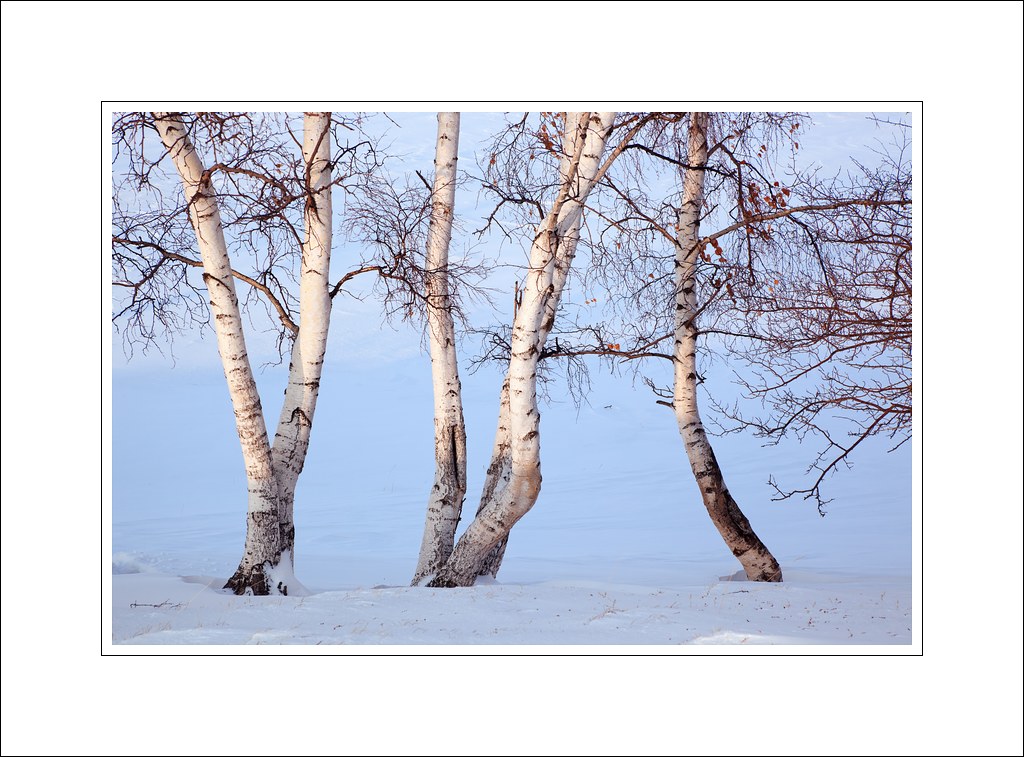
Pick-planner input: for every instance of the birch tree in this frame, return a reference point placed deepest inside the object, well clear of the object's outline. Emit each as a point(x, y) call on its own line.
point(514, 477)
point(500, 469)
point(291, 441)
point(444, 505)
point(271, 473)
point(266, 182)
point(752, 289)
point(758, 563)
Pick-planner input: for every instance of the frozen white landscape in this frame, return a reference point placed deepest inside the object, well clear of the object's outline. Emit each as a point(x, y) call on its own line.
point(618, 551)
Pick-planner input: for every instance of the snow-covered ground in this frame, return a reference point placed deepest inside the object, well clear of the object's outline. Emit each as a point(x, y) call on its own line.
point(188, 610)
point(618, 551)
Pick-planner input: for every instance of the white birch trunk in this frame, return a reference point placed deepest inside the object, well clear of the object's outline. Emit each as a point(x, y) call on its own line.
point(499, 470)
point(444, 506)
point(291, 441)
point(550, 260)
point(758, 563)
point(262, 539)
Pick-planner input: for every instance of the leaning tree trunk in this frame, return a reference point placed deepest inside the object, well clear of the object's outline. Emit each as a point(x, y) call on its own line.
point(533, 322)
point(444, 506)
point(501, 457)
point(499, 470)
point(291, 442)
point(256, 571)
point(758, 563)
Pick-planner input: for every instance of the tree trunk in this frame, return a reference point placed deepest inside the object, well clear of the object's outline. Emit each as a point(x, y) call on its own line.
point(444, 505)
point(501, 457)
point(498, 473)
point(291, 442)
point(256, 571)
point(533, 322)
point(758, 563)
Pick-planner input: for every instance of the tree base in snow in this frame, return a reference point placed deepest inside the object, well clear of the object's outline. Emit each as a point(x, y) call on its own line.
point(758, 563)
point(449, 580)
point(255, 580)
point(768, 575)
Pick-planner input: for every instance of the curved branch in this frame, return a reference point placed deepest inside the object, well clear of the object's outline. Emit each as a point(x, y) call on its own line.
point(282, 312)
point(352, 274)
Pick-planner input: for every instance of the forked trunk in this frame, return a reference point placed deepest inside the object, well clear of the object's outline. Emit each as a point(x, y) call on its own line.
point(758, 563)
point(444, 505)
point(534, 320)
point(271, 473)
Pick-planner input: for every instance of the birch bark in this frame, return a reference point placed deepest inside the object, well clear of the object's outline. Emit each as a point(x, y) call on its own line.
point(550, 261)
point(444, 505)
point(498, 474)
point(271, 472)
point(291, 441)
point(499, 470)
point(758, 563)
point(262, 538)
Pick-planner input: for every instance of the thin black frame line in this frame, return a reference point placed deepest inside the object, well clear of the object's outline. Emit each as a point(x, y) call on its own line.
point(103, 577)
